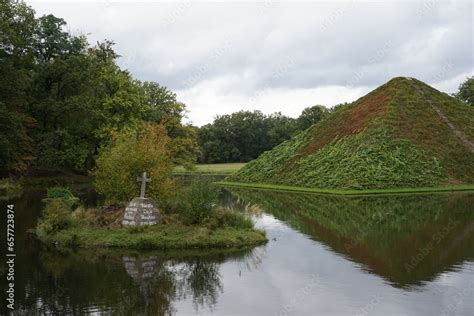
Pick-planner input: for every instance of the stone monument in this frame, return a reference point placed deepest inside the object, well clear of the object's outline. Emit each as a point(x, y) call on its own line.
point(141, 211)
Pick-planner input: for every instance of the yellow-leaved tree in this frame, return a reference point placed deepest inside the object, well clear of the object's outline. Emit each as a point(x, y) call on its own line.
point(129, 154)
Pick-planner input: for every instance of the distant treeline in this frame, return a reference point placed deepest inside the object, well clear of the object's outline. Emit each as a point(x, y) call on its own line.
point(243, 136)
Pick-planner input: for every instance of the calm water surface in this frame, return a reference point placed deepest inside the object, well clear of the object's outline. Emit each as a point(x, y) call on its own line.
point(386, 255)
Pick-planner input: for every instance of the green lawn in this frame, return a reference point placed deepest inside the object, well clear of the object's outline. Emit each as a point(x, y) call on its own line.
point(213, 168)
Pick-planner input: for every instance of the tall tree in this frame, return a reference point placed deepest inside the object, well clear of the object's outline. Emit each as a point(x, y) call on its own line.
point(279, 128)
point(311, 115)
point(17, 24)
point(161, 106)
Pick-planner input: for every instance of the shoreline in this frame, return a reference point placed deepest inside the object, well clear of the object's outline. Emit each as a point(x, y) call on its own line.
point(156, 237)
point(349, 192)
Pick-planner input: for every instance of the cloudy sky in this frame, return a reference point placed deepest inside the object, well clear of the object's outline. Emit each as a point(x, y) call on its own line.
point(221, 57)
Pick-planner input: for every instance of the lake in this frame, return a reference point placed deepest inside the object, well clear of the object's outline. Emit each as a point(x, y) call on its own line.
point(326, 255)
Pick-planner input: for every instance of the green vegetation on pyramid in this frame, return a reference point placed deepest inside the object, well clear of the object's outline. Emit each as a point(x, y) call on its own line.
point(402, 134)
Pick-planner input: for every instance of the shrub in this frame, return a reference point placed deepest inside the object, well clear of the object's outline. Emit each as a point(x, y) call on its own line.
point(57, 214)
point(63, 194)
point(197, 201)
point(59, 192)
point(131, 153)
point(56, 217)
point(9, 189)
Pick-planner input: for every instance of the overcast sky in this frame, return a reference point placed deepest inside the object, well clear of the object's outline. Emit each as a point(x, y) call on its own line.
point(221, 57)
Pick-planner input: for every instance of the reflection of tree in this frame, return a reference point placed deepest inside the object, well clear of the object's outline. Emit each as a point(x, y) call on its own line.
point(385, 233)
point(200, 279)
point(252, 259)
point(125, 284)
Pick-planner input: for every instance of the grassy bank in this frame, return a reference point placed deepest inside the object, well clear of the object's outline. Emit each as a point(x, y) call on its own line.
point(275, 187)
point(158, 237)
point(215, 168)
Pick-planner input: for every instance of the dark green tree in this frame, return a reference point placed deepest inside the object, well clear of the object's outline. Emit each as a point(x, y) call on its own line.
point(161, 106)
point(243, 136)
point(310, 116)
point(17, 25)
point(279, 128)
point(466, 91)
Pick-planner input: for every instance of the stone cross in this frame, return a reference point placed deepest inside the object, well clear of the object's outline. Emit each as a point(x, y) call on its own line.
point(143, 180)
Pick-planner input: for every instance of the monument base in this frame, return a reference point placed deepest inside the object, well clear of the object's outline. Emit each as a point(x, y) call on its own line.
point(141, 212)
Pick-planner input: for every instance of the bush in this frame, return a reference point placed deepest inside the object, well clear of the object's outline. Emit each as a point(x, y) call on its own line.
point(59, 192)
point(131, 153)
point(57, 214)
point(56, 217)
point(197, 201)
point(9, 189)
point(63, 194)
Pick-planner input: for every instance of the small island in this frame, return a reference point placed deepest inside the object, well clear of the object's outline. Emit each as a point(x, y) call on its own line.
point(174, 215)
point(100, 227)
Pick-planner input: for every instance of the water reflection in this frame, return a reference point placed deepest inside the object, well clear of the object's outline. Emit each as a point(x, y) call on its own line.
point(326, 255)
point(405, 239)
point(125, 284)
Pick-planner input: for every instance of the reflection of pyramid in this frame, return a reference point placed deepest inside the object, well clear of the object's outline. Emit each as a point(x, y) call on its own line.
point(405, 239)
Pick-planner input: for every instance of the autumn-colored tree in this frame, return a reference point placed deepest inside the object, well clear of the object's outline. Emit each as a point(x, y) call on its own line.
point(129, 154)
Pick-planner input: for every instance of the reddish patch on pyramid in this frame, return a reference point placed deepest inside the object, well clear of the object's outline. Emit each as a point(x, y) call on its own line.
point(351, 120)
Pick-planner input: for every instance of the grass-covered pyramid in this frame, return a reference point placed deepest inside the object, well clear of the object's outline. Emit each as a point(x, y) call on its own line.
point(403, 134)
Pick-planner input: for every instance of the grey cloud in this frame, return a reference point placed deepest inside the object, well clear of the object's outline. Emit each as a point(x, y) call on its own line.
point(280, 45)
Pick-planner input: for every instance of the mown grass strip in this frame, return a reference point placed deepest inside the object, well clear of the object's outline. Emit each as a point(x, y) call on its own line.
point(210, 169)
point(276, 187)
